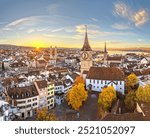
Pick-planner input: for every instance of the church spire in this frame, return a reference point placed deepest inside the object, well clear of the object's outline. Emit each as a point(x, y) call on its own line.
point(105, 49)
point(86, 46)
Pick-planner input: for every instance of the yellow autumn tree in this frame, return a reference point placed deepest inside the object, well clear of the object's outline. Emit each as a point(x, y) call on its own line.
point(131, 81)
point(79, 79)
point(143, 93)
point(76, 96)
point(43, 115)
point(106, 97)
point(130, 101)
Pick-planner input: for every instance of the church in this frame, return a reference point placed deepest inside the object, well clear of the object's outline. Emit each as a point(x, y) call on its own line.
point(96, 78)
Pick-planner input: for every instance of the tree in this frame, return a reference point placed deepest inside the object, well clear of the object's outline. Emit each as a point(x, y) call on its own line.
point(130, 101)
point(143, 93)
point(131, 81)
point(106, 97)
point(43, 115)
point(79, 79)
point(76, 96)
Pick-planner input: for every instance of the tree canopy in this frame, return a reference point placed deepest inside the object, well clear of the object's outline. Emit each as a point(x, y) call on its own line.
point(79, 79)
point(131, 81)
point(43, 115)
point(76, 96)
point(106, 97)
point(143, 93)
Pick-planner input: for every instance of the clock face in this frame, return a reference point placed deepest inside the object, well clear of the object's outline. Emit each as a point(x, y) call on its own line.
point(85, 55)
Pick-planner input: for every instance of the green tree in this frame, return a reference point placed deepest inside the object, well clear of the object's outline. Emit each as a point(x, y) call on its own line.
point(106, 97)
point(76, 96)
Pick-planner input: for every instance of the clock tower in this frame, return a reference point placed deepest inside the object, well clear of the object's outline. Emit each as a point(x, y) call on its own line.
point(86, 54)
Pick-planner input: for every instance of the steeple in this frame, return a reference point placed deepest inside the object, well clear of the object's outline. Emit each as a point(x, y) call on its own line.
point(105, 49)
point(86, 46)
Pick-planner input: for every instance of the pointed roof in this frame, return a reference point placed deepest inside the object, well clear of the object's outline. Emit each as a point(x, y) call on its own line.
point(86, 46)
point(105, 49)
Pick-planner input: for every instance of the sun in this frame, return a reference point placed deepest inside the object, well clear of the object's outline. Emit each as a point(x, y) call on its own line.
point(38, 44)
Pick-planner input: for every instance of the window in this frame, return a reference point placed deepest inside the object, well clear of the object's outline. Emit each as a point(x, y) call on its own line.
point(120, 82)
point(52, 100)
point(34, 104)
point(101, 82)
point(34, 99)
point(28, 106)
point(28, 113)
point(21, 102)
point(22, 115)
point(90, 81)
point(97, 81)
point(22, 107)
point(29, 101)
point(51, 105)
point(93, 81)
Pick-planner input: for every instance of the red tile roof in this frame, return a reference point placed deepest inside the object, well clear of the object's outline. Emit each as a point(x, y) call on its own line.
point(105, 73)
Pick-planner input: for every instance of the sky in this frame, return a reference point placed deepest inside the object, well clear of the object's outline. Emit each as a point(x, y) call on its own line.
point(61, 23)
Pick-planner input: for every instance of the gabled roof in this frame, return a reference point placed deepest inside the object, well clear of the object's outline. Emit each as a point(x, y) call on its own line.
point(22, 92)
point(105, 73)
point(42, 84)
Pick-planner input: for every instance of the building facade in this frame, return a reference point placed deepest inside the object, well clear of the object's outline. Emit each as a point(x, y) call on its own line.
point(100, 77)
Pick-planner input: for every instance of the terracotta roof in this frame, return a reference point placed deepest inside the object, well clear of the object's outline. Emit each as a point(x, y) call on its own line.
point(8, 81)
point(42, 61)
point(114, 58)
point(146, 72)
point(22, 92)
point(105, 73)
point(18, 64)
point(85, 72)
point(42, 84)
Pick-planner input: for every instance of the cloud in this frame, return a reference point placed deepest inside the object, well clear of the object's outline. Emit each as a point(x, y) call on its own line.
point(122, 9)
point(92, 29)
point(121, 26)
point(141, 40)
point(30, 30)
point(23, 21)
point(93, 19)
point(140, 17)
point(57, 30)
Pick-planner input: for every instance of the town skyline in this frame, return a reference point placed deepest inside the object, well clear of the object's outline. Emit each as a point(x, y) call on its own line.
point(122, 24)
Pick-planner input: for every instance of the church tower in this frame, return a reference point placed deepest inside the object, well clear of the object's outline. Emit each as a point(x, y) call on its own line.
point(86, 54)
point(55, 52)
point(105, 54)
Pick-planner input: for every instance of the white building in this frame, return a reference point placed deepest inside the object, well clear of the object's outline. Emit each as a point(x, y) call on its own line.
point(70, 60)
point(46, 93)
point(61, 89)
point(7, 112)
point(26, 99)
point(100, 77)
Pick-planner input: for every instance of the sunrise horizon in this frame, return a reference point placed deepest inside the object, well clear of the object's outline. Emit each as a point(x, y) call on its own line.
point(122, 24)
